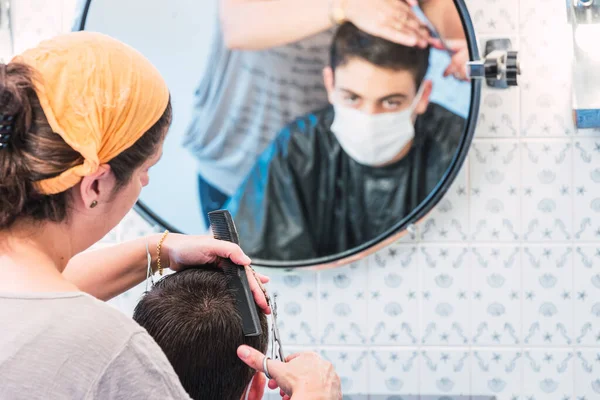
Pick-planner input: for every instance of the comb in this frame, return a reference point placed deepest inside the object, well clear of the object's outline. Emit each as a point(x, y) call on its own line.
point(223, 228)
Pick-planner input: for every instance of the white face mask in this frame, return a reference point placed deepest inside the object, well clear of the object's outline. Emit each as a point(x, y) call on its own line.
point(374, 139)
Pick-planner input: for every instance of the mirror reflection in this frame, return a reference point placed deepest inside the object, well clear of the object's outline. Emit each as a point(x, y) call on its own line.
point(316, 138)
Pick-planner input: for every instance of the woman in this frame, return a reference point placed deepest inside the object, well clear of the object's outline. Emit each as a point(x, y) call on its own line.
point(267, 58)
point(82, 119)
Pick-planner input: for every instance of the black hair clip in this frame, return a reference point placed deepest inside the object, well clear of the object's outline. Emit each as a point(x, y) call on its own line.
point(6, 127)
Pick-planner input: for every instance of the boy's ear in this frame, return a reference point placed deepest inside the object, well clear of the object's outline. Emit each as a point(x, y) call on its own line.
point(257, 386)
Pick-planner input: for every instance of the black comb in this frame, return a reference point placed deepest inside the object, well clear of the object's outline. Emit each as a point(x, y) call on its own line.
point(223, 228)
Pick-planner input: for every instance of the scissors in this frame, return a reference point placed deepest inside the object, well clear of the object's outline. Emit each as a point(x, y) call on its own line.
point(149, 273)
point(276, 349)
point(432, 31)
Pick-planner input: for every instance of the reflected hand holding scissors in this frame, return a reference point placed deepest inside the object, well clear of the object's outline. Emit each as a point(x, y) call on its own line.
point(459, 59)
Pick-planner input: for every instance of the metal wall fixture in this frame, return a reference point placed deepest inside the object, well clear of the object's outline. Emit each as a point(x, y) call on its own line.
point(500, 66)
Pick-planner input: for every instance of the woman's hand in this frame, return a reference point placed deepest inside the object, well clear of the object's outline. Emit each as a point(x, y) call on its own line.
point(458, 63)
point(181, 251)
point(304, 375)
point(393, 20)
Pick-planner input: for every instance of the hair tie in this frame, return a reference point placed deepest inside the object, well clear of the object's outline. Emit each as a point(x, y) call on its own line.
point(6, 128)
point(6, 121)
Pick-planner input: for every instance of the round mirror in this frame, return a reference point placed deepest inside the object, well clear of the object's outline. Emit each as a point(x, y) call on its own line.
point(323, 150)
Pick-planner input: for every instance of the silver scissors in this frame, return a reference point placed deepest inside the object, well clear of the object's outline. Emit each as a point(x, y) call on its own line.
point(149, 273)
point(276, 349)
point(433, 32)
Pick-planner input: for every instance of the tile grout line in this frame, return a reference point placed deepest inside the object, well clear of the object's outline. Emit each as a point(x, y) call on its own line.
point(573, 223)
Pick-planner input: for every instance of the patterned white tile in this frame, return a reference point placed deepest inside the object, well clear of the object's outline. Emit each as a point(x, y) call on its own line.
point(393, 296)
point(134, 226)
point(34, 21)
point(494, 198)
point(496, 297)
point(445, 372)
point(586, 292)
point(297, 312)
point(587, 375)
point(496, 17)
point(549, 19)
point(548, 375)
point(342, 314)
point(586, 188)
point(546, 109)
point(445, 295)
point(409, 235)
point(499, 108)
point(497, 373)
point(352, 366)
point(449, 220)
point(394, 371)
point(546, 186)
point(548, 296)
point(499, 116)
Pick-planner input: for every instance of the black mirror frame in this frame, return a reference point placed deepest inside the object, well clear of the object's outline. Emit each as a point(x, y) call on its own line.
point(399, 228)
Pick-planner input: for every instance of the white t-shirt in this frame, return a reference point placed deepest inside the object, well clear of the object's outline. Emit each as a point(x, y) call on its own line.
point(73, 346)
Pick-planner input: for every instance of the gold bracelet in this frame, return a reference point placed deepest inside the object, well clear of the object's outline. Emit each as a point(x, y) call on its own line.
point(158, 248)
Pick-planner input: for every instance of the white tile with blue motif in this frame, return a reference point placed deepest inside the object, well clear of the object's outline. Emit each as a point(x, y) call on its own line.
point(495, 195)
point(393, 296)
point(445, 295)
point(548, 296)
point(496, 296)
point(449, 220)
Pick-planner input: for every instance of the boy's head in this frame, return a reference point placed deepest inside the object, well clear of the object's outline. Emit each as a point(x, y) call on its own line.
point(375, 75)
point(192, 316)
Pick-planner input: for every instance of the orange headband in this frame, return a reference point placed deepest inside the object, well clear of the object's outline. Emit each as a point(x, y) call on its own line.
point(98, 94)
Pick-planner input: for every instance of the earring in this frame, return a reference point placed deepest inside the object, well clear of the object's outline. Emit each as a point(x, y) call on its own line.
point(94, 204)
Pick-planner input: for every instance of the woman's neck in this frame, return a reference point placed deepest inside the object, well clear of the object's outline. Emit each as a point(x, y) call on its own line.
point(33, 256)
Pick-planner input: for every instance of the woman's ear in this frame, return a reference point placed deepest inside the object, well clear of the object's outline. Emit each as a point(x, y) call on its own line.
point(97, 187)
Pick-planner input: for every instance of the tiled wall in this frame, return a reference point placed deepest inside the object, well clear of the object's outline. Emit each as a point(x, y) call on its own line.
point(499, 291)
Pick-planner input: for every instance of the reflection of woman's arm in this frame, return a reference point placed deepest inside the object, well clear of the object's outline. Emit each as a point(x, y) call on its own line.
point(261, 24)
point(443, 14)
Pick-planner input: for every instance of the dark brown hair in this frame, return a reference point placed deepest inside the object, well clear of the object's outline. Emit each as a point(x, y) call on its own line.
point(192, 316)
point(34, 152)
point(350, 42)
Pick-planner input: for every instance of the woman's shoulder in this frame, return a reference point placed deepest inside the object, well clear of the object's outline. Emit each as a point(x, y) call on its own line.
point(88, 322)
point(99, 351)
point(86, 313)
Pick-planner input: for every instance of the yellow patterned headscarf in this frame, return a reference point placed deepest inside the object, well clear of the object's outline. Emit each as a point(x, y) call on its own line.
point(98, 94)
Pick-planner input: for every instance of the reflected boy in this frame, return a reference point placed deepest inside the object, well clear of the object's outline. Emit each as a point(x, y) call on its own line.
point(341, 176)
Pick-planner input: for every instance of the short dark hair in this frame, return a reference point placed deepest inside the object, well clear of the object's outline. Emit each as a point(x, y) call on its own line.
point(350, 42)
point(192, 316)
